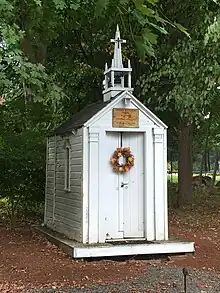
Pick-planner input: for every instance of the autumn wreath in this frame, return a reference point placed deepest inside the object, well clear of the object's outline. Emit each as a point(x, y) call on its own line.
point(129, 160)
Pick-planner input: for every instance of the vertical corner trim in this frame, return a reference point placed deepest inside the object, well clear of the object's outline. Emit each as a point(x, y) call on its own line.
point(158, 135)
point(55, 167)
point(93, 137)
point(85, 187)
point(46, 182)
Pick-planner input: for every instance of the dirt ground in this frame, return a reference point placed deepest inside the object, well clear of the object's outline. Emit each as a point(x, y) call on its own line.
point(28, 260)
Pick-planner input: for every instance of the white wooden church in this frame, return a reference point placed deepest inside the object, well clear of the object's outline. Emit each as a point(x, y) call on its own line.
point(106, 178)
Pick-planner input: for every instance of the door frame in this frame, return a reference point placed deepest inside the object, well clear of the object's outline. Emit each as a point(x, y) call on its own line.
point(147, 130)
point(129, 233)
point(150, 209)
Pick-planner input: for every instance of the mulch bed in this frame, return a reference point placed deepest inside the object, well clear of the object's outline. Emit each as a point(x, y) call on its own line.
point(29, 261)
point(157, 279)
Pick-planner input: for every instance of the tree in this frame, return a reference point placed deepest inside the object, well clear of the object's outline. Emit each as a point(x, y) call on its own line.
point(22, 153)
point(51, 66)
point(42, 30)
point(184, 76)
point(207, 135)
point(53, 52)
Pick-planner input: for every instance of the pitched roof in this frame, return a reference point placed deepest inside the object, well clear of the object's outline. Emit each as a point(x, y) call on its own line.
point(138, 104)
point(82, 117)
point(78, 119)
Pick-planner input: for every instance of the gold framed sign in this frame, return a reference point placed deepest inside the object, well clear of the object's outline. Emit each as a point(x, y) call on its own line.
point(125, 118)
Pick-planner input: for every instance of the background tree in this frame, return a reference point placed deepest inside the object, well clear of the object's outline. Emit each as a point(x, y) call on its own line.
point(183, 77)
point(52, 56)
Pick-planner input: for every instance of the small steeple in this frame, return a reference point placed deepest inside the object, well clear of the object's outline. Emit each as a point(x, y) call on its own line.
point(117, 60)
point(117, 78)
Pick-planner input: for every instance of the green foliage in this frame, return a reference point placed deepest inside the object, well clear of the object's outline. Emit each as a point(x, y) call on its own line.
point(52, 55)
point(186, 72)
point(174, 166)
point(24, 126)
point(142, 19)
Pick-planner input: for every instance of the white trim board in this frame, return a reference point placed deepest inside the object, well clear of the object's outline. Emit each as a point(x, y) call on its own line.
point(133, 249)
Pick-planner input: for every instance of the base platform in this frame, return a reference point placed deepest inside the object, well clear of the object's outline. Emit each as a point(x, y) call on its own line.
point(113, 249)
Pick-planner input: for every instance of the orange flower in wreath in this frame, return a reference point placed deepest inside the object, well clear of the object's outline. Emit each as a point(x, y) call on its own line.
point(129, 160)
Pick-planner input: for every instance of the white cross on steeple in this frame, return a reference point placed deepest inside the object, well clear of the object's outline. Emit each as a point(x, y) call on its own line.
point(117, 60)
point(117, 77)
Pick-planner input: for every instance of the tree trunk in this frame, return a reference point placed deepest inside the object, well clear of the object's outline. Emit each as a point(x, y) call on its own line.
point(208, 160)
point(202, 164)
point(215, 167)
point(171, 167)
point(185, 163)
point(34, 54)
point(12, 212)
point(205, 150)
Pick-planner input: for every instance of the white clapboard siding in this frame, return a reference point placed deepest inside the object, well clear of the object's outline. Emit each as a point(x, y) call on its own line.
point(48, 217)
point(70, 201)
point(50, 167)
point(90, 211)
point(68, 204)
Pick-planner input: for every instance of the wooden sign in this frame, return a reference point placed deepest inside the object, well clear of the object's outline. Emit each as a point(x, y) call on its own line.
point(125, 118)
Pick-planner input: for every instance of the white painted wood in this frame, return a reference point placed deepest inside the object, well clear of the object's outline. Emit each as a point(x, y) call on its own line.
point(93, 184)
point(149, 186)
point(49, 201)
point(51, 156)
point(133, 249)
point(67, 173)
point(75, 168)
point(115, 86)
point(50, 173)
point(75, 202)
point(50, 167)
point(50, 183)
point(134, 190)
point(96, 208)
point(76, 175)
point(76, 182)
point(66, 206)
point(121, 204)
point(106, 120)
point(159, 183)
point(54, 179)
point(146, 124)
point(118, 204)
point(49, 190)
point(132, 130)
point(74, 212)
point(46, 187)
point(109, 225)
point(77, 159)
point(150, 115)
point(63, 228)
point(60, 191)
point(68, 217)
point(165, 186)
point(85, 186)
point(49, 217)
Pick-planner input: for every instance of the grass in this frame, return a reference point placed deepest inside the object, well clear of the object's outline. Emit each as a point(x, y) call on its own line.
point(3, 202)
point(174, 177)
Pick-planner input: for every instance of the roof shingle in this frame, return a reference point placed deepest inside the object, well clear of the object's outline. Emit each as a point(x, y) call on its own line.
point(80, 118)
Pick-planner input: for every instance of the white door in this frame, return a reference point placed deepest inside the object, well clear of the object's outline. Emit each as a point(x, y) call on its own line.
point(122, 195)
point(133, 187)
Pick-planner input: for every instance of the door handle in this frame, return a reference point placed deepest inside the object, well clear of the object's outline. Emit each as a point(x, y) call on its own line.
point(124, 184)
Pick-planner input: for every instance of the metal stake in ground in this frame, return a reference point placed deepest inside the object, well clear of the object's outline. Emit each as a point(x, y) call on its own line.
point(185, 273)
